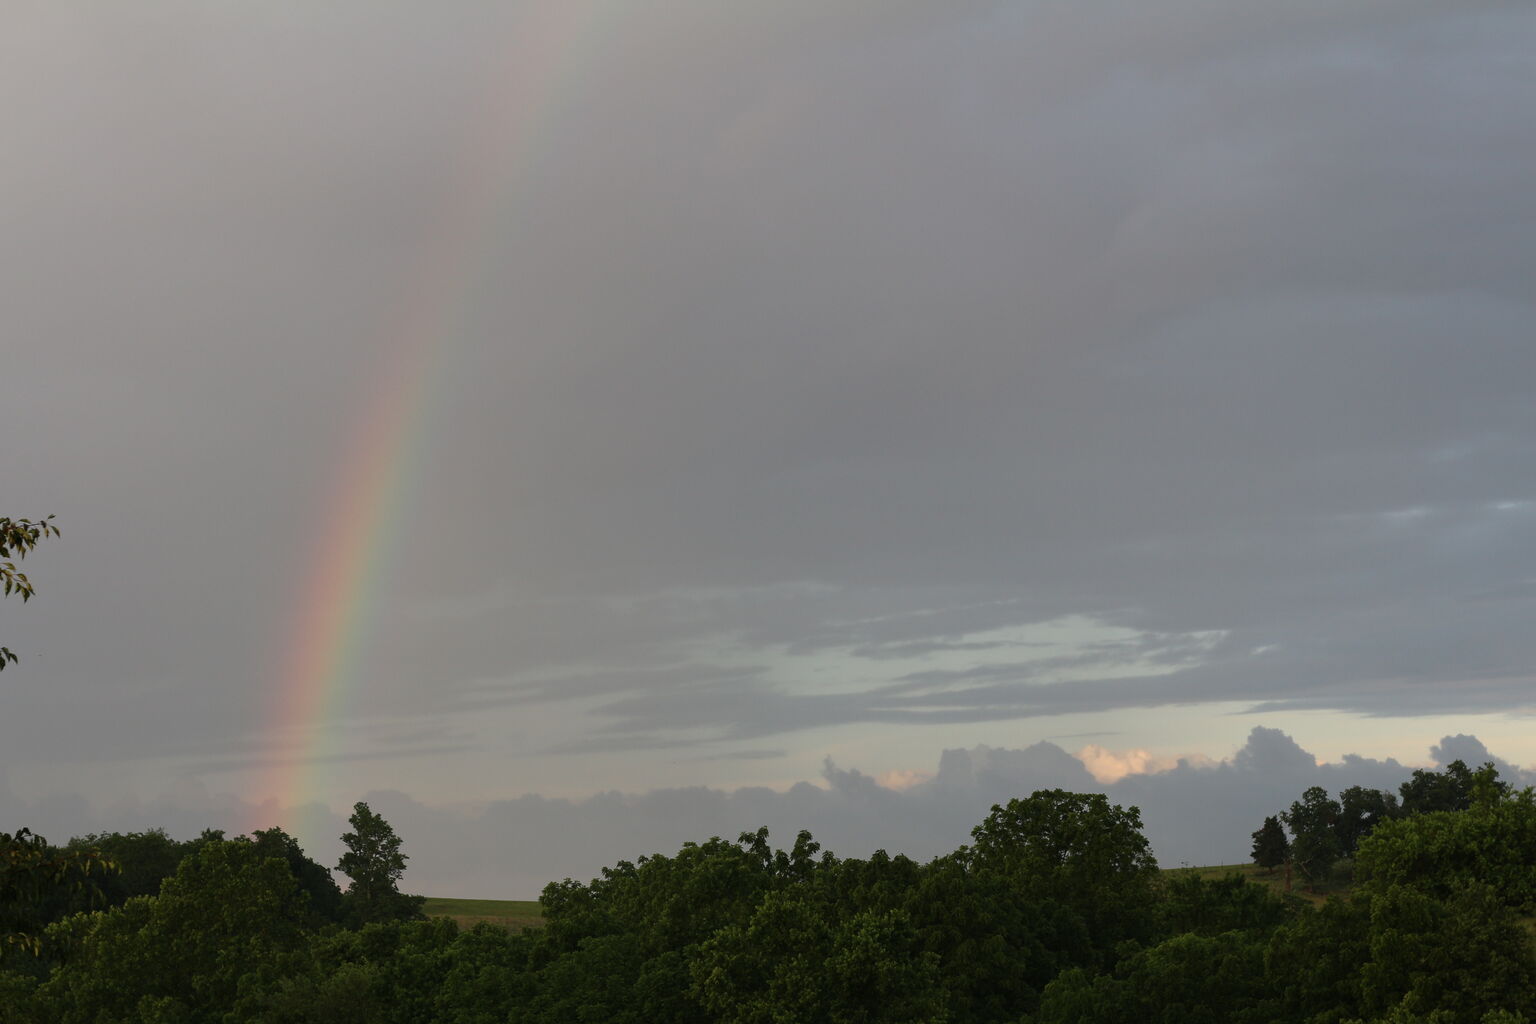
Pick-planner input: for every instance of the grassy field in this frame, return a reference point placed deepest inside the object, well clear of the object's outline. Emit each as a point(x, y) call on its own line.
point(513, 914)
point(1275, 880)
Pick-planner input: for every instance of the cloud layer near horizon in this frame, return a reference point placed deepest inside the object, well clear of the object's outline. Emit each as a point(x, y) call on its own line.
point(1199, 811)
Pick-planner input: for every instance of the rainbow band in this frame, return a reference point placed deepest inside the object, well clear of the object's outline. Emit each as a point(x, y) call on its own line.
point(368, 503)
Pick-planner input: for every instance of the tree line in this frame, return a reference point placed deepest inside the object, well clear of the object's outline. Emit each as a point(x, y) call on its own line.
point(1325, 832)
point(41, 884)
point(1054, 912)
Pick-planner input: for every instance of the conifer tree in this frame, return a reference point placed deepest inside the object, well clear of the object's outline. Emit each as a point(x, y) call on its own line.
point(1270, 847)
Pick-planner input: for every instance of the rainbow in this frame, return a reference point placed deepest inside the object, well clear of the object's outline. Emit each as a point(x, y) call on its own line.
point(370, 488)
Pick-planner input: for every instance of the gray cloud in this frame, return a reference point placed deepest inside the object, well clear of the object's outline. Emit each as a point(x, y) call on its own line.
point(783, 333)
point(1196, 813)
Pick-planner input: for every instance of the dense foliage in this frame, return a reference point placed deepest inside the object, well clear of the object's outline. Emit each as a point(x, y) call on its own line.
point(1326, 833)
point(1444, 852)
point(1055, 912)
point(35, 880)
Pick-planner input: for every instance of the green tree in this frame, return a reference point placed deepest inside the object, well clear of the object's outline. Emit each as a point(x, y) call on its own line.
point(1313, 962)
point(1459, 958)
point(1441, 851)
point(1487, 789)
point(228, 918)
point(669, 902)
point(1188, 979)
point(374, 863)
point(487, 972)
point(996, 951)
point(1454, 789)
point(801, 959)
point(1212, 906)
point(313, 878)
point(1361, 810)
point(144, 860)
point(619, 948)
point(1076, 848)
point(1270, 847)
point(1313, 821)
point(34, 877)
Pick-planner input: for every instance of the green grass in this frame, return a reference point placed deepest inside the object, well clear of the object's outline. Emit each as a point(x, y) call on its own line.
point(1274, 879)
point(512, 914)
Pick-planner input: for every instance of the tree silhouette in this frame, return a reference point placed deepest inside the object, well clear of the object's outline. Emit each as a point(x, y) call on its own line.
point(374, 863)
point(1270, 847)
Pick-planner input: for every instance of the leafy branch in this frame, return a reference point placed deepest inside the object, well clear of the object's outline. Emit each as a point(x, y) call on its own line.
point(30, 870)
point(17, 538)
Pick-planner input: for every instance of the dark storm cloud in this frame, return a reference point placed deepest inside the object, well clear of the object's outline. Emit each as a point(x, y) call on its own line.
point(791, 331)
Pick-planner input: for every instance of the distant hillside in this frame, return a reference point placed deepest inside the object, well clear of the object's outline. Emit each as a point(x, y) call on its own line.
point(1275, 880)
point(512, 914)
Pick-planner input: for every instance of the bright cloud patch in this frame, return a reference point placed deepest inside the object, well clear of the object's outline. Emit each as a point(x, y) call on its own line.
point(901, 780)
point(1113, 765)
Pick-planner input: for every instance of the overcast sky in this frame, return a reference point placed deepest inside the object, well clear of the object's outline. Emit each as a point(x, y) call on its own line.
point(883, 382)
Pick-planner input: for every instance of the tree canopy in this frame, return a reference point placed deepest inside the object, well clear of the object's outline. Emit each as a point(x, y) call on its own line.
point(1324, 830)
point(374, 863)
point(1011, 929)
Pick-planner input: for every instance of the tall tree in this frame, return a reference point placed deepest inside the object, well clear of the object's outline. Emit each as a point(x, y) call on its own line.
point(1314, 821)
point(374, 863)
point(1360, 810)
point(1075, 848)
